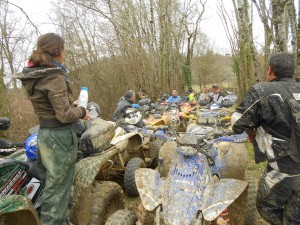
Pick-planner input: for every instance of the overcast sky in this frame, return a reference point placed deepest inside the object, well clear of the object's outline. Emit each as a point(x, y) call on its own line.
point(39, 10)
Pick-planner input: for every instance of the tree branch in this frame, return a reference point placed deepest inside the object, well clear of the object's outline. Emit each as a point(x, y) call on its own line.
point(37, 30)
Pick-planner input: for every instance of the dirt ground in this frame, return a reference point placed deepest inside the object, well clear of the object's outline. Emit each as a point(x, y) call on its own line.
point(255, 169)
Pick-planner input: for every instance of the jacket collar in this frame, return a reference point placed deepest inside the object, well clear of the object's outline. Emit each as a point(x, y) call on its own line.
point(284, 79)
point(37, 72)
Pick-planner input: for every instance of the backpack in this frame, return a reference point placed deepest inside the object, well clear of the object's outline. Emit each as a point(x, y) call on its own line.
point(294, 108)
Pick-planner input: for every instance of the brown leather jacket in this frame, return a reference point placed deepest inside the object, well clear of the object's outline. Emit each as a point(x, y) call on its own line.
point(51, 96)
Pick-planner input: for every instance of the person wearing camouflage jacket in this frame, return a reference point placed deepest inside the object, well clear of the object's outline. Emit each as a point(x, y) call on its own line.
point(266, 116)
point(48, 88)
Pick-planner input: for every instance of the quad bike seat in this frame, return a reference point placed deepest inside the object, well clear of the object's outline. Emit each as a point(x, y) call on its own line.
point(31, 166)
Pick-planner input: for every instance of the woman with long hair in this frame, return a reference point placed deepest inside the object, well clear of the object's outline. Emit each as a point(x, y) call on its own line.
point(48, 87)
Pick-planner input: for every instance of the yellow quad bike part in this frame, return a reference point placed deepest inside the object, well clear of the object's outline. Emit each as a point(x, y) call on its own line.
point(164, 120)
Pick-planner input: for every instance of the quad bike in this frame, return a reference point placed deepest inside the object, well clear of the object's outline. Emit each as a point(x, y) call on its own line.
point(94, 195)
point(230, 99)
point(7, 147)
point(182, 114)
point(189, 188)
point(188, 113)
point(129, 151)
point(104, 156)
point(215, 116)
point(170, 118)
point(192, 192)
point(21, 190)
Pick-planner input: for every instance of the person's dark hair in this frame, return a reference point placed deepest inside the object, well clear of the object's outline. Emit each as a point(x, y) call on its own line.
point(128, 94)
point(282, 64)
point(49, 46)
point(215, 86)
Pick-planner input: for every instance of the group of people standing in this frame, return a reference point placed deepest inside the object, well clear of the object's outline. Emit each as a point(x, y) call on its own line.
point(264, 114)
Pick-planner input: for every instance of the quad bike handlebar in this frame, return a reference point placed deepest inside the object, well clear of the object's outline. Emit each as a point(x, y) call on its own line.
point(187, 149)
point(190, 149)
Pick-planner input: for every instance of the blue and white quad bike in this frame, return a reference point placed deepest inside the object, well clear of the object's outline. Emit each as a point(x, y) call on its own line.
point(187, 189)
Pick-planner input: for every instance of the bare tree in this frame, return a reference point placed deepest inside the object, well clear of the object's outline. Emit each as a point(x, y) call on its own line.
point(280, 26)
point(193, 12)
point(143, 42)
point(15, 39)
point(295, 34)
point(279, 22)
point(240, 35)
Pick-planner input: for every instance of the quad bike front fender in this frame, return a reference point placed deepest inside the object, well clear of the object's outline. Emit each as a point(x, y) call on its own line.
point(131, 141)
point(17, 210)
point(149, 185)
point(86, 171)
point(220, 196)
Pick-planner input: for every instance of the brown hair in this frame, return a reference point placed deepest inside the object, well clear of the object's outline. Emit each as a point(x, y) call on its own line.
point(49, 46)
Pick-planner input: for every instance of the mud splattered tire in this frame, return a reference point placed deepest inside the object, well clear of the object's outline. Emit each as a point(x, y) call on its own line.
point(251, 211)
point(122, 217)
point(234, 159)
point(108, 197)
point(129, 176)
point(168, 153)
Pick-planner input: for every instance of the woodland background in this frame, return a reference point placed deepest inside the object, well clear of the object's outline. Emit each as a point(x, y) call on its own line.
point(115, 45)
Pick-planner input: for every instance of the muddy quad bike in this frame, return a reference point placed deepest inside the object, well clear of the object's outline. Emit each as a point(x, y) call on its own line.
point(188, 114)
point(172, 121)
point(169, 118)
point(129, 151)
point(92, 200)
point(217, 117)
point(190, 192)
point(101, 198)
point(7, 147)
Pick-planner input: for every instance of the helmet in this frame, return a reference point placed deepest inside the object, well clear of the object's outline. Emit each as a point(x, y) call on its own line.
point(93, 105)
point(203, 103)
point(165, 97)
point(31, 146)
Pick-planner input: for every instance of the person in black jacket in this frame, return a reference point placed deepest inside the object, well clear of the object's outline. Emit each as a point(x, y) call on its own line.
point(265, 115)
point(124, 103)
point(125, 116)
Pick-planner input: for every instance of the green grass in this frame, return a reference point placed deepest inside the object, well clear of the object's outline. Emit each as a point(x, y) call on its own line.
point(256, 170)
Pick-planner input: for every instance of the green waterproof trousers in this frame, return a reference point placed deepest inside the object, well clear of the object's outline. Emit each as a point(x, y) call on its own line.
point(56, 159)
